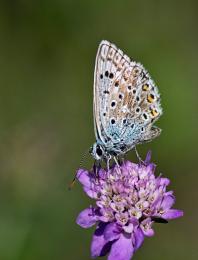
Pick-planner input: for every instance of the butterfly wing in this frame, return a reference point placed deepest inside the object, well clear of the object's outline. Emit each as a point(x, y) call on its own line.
point(105, 72)
point(126, 101)
point(150, 134)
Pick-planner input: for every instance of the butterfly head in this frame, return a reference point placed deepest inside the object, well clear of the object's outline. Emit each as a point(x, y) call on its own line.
point(97, 151)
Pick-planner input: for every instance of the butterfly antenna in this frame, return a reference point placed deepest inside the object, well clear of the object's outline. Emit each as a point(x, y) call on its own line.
point(80, 166)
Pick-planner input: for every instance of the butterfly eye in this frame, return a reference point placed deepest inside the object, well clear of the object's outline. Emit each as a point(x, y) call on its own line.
point(99, 151)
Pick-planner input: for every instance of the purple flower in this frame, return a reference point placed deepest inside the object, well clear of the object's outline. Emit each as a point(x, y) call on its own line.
point(129, 199)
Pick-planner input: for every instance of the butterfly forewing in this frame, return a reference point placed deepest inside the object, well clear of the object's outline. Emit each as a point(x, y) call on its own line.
point(126, 101)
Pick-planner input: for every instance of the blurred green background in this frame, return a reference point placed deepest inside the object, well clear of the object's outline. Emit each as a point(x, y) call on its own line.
point(47, 55)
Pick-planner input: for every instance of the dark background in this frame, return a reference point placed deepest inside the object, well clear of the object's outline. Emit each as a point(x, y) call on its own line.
point(47, 54)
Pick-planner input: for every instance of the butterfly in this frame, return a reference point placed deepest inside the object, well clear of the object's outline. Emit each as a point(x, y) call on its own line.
point(126, 103)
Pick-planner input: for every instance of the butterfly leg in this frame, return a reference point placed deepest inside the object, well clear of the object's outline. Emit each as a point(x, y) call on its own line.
point(117, 164)
point(96, 168)
point(108, 163)
point(108, 159)
point(138, 156)
point(116, 161)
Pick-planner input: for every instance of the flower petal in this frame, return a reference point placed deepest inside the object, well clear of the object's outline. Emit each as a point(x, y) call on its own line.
point(146, 227)
point(122, 249)
point(148, 157)
point(172, 214)
point(128, 228)
point(168, 202)
point(87, 218)
point(148, 232)
point(164, 181)
point(91, 193)
point(99, 245)
point(151, 168)
point(139, 238)
point(112, 232)
point(83, 177)
point(102, 174)
point(128, 165)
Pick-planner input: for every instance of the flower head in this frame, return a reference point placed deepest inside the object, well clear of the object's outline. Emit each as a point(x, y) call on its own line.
point(129, 199)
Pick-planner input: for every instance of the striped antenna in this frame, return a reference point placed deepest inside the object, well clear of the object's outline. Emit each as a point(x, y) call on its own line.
point(80, 166)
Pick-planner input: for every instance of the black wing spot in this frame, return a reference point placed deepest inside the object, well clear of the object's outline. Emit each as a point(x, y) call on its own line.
point(106, 73)
point(120, 96)
point(113, 103)
point(137, 110)
point(106, 92)
point(111, 75)
point(145, 116)
point(116, 83)
point(112, 121)
point(101, 76)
